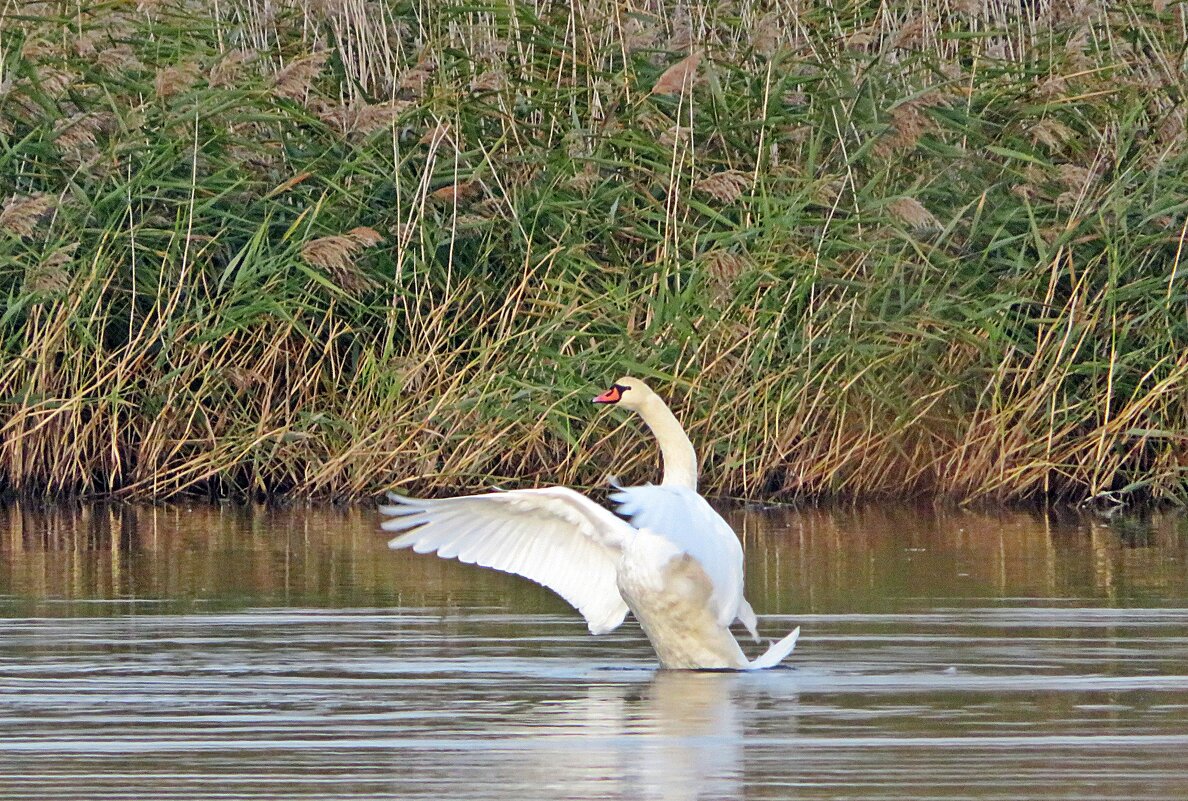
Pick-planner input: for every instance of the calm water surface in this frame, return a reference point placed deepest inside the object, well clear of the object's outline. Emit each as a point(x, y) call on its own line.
point(215, 653)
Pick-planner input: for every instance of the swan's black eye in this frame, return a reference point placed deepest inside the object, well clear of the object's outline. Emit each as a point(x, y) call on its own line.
point(620, 388)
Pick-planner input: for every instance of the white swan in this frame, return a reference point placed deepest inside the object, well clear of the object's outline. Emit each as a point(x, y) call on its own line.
point(678, 566)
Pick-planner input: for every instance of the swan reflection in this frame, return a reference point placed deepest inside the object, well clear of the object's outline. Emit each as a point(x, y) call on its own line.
point(680, 736)
point(690, 743)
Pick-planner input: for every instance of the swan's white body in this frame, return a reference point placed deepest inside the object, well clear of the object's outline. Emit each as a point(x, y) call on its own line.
point(678, 566)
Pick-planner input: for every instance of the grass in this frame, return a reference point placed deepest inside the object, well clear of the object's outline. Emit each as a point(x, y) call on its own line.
point(320, 249)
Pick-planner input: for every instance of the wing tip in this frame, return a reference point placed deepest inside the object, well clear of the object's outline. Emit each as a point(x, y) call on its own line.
point(606, 622)
point(403, 513)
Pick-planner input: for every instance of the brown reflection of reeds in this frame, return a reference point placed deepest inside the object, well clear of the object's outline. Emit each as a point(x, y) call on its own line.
point(798, 560)
point(186, 552)
point(872, 557)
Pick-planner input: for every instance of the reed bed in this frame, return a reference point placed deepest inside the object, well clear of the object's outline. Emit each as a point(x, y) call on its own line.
point(297, 247)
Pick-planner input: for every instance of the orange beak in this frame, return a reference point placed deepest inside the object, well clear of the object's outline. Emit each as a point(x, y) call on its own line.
point(612, 395)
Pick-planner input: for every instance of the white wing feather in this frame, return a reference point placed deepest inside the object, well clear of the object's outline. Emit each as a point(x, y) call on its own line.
point(687, 519)
point(552, 535)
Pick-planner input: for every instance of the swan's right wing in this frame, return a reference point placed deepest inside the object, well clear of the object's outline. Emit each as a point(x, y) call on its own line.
point(552, 535)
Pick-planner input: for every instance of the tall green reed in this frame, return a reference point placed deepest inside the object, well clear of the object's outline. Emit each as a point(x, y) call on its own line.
point(321, 249)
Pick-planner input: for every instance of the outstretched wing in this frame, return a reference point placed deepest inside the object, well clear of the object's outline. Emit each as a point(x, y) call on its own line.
point(552, 535)
point(685, 518)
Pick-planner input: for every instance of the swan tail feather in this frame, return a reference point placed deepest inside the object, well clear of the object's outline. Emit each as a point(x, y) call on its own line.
point(776, 653)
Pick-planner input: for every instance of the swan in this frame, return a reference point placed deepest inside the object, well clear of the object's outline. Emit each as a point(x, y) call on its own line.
point(677, 565)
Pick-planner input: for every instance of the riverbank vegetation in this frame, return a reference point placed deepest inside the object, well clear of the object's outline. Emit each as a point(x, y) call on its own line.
point(323, 248)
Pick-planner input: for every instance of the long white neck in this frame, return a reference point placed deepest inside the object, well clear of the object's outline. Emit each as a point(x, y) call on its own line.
point(680, 460)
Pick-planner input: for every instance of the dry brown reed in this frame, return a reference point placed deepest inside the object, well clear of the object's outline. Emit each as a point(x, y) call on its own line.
point(417, 79)
point(184, 329)
point(118, 58)
point(457, 193)
point(337, 255)
point(726, 186)
point(294, 81)
point(49, 277)
point(679, 78)
point(723, 269)
point(174, 79)
point(912, 213)
point(21, 214)
point(225, 71)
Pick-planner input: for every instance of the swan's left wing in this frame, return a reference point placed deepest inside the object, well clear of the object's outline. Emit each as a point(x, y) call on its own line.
point(687, 519)
point(552, 535)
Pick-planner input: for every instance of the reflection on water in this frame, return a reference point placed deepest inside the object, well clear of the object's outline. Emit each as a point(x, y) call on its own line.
point(678, 736)
point(194, 652)
point(797, 561)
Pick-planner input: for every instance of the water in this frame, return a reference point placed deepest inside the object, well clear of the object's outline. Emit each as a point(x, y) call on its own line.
point(215, 653)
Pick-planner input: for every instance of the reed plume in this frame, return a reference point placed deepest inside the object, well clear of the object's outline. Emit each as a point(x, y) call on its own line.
point(866, 250)
point(21, 214)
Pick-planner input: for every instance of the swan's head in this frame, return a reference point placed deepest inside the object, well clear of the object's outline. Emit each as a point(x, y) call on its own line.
point(628, 392)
